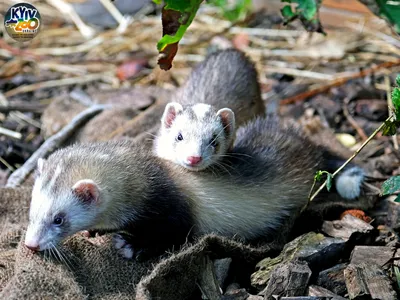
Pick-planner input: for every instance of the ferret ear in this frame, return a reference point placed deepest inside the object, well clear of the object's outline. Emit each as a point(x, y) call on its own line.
point(227, 117)
point(40, 165)
point(87, 191)
point(170, 112)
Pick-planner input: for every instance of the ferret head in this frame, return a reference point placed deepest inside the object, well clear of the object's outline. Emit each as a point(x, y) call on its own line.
point(196, 136)
point(58, 210)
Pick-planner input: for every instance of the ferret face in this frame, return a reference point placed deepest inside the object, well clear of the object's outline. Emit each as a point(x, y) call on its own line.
point(196, 137)
point(57, 212)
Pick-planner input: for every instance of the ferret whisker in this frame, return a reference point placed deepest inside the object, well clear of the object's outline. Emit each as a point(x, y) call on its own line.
point(233, 154)
point(149, 133)
point(51, 254)
point(218, 134)
point(222, 166)
point(46, 255)
point(63, 259)
point(239, 158)
point(221, 131)
point(63, 255)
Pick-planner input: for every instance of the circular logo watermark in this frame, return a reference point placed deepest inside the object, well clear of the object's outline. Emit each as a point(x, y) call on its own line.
point(22, 22)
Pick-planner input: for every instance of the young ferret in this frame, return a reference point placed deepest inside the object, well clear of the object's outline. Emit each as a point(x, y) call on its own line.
point(195, 136)
point(121, 186)
point(198, 127)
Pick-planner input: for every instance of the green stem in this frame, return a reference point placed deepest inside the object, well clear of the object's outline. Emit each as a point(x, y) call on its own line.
point(351, 158)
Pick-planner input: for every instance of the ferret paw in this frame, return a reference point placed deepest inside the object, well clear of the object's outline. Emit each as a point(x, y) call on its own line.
point(124, 248)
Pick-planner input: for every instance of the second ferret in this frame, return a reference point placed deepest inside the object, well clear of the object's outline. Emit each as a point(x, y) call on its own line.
point(198, 128)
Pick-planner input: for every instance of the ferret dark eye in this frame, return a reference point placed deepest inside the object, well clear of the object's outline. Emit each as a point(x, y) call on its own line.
point(58, 220)
point(179, 137)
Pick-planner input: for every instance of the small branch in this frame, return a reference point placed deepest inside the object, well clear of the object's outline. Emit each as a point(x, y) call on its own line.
point(67, 8)
point(23, 107)
point(51, 144)
point(54, 83)
point(4, 162)
point(351, 158)
point(10, 133)
point(338, 82)
point(353, 122)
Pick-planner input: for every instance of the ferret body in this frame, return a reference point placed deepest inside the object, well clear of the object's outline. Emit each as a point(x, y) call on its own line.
point(120, 186)
point(198, 128)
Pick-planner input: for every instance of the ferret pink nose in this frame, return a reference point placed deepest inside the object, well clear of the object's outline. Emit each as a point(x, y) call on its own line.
point(32, 247)
point(194, 160)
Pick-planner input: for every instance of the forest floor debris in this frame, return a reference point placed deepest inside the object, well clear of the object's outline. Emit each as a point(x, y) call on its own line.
point(335, 87)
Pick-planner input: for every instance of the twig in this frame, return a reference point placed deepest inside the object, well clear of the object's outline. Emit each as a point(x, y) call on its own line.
point(4, 162)
point(298, 73)
point(390, 104)
point(70, 49)
point(54, 83)
point(52, 144)
point(115, 13)
point(338, 82)
point(23, 107)
point(68, 9)
point(80, 96)
point(351, 158)
point(353, 122)
point(10, 133)
point(3, 99)
point(267, 32)
point(20, 116)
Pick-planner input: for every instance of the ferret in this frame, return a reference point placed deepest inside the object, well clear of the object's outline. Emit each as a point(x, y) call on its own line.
point(119, 186)
point(198, 127)
point(225, 78)
point(195, 136)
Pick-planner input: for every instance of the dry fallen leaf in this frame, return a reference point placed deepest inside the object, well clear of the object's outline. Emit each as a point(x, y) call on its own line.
point(356, 213)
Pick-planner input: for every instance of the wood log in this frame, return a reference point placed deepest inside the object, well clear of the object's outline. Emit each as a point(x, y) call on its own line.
point(317, 291)
point(333, 279)
point(378, 255)
point(368, 281)
point(318, 251)
point(290, 279)
point(345, 227)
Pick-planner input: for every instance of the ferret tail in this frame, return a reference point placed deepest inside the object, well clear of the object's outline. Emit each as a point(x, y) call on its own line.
point(349, 181)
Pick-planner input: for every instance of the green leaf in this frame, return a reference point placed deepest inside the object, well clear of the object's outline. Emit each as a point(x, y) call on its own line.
point(306, 11)
point(318, 175)
point(397, 199)
point(238, 11)
point(329, 178)
point(188, 10)
point(157, 1)
point(287, 12)
point(390, 128)
point(329, 181)
point(396, 99)
point(391, 185)
point(308, 8)
point(390, 10)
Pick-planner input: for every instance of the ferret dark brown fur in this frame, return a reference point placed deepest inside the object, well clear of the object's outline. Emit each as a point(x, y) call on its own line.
point(121, 186)
point(226, 78)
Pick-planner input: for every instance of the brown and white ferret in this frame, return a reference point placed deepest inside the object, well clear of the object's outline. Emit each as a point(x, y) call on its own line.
point(121, 186)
